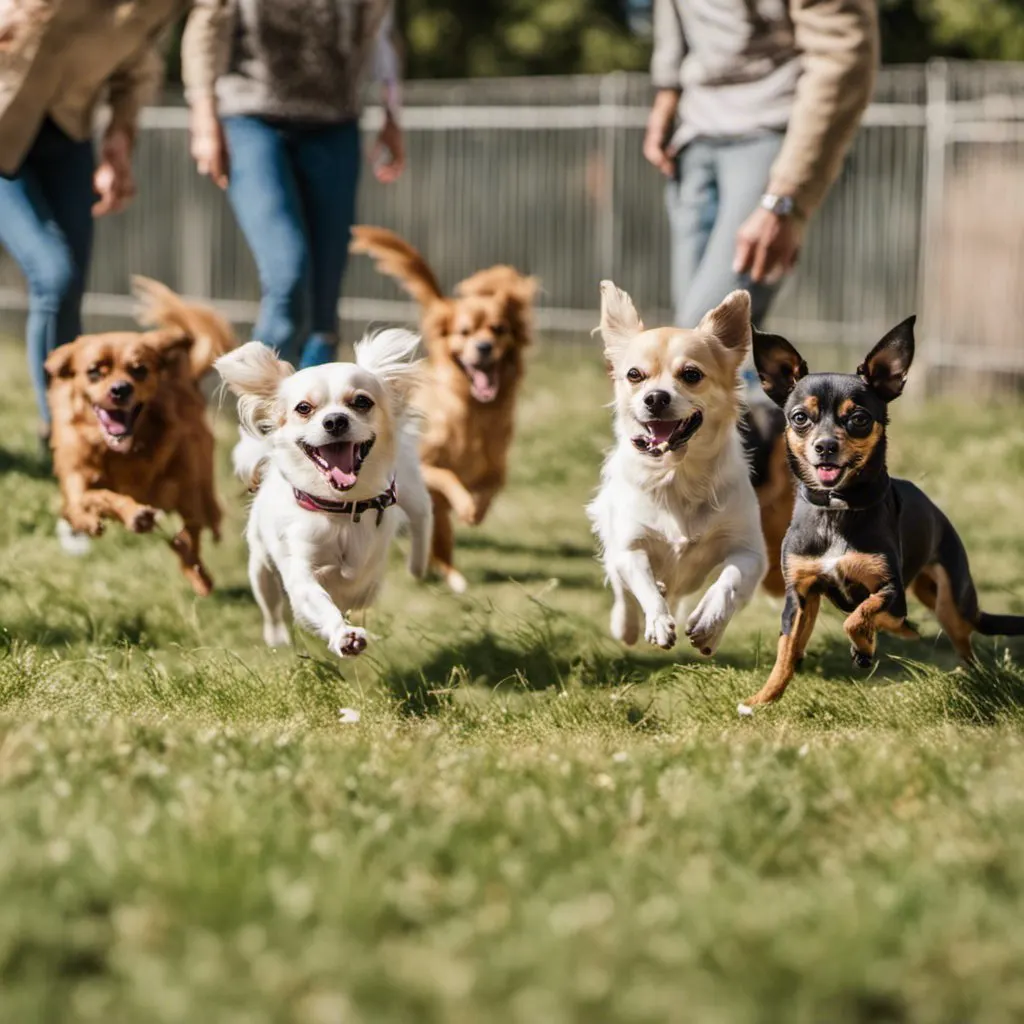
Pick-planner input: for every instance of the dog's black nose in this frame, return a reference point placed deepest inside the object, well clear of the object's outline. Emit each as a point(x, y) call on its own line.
point(121, 391)
point(826, 447)
point(484, 349)
point(336, 423)
point(657, 401)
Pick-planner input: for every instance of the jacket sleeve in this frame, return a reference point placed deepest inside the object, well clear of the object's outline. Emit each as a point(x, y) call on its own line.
point(840, 47)
point(134, 84)
point(669, 46)
point(205, 46)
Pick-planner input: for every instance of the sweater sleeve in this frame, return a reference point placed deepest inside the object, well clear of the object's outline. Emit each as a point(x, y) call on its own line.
point(134, 84)
point(205, 47)
point(669, 46)
point(840, 47)
point(386, 65)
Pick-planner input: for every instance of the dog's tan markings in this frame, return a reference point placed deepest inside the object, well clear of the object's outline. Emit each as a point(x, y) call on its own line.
point(846, 406)
point(934, 590)
point(811, 406)
point(796, 444)
point(898, 627)
point(775, 498)
point(861, 447)
point(802, 572)
point(860, 624)
point(870, 571)
point(790, 650)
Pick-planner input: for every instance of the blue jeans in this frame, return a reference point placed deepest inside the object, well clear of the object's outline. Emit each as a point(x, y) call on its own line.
point(46, 226)
point(293, 190)
point(717, 186)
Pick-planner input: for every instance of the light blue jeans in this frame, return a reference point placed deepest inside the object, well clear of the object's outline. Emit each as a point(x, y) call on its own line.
point(717, 186)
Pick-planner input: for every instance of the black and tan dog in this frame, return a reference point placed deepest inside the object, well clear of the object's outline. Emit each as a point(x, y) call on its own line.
point(860, 537)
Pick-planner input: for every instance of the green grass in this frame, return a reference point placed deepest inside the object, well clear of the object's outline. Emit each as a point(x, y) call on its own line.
point(528, 824)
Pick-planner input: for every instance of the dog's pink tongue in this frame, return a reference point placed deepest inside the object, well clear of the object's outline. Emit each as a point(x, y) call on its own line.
point(483, 384)
point(662, 430)
point(828, 474)
point(113, 425)
point(341, 464)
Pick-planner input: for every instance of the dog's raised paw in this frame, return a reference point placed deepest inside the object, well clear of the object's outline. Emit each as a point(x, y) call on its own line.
point(143, 520)
point(661, 631)
point(347, 641)
point(705, 627)
point(860, 659)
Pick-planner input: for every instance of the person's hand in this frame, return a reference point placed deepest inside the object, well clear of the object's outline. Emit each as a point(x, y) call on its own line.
point(659, 130)
point(767, 246)
point(388, 154)
point(114, 181)
point(209, 146)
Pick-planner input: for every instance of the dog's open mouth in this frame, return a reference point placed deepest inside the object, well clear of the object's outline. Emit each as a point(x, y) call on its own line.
point(340, 461)
point(118, 425)
point(661, 436)
point(483, 381)
point(828, 473)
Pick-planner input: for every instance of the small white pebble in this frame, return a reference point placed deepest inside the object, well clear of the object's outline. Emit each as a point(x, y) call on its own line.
point(804, 750)
point(619, 756)
point(348, 716)
point(744, 710)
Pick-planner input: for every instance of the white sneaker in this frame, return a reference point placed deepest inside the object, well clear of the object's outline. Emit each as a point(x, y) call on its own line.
point(71, 541)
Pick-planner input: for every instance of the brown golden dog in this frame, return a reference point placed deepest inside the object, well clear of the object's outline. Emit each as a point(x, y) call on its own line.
point(130, 435)
point(474, 341)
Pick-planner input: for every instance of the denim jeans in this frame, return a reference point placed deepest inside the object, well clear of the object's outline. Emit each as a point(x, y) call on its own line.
point(46, 226)
point(293, 190)
point(718, 184)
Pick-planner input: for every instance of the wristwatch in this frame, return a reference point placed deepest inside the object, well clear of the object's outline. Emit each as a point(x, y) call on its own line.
point(781, 206)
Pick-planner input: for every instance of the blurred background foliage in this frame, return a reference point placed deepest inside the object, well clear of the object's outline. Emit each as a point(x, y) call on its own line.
point(486, 38)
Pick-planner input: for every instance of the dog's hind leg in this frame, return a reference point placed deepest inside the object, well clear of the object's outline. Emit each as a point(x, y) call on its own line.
point(625, 622)
point(269, 593)
point(443, 545)
point(186, 546)
point(414, 501)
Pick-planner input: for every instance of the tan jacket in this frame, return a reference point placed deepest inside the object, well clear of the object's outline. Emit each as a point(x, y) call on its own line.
point(61, 57)
point(805, 67)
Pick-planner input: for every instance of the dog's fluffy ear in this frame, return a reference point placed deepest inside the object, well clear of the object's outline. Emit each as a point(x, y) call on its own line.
point(620, 321)
point(729, 324)
point(169, 345)
point(254, 373)
point(779, 366)
point(888, 363)
point(393, 356)
point(60, 363)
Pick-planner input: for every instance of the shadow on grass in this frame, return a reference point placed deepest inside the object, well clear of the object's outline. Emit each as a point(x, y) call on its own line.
point(482, 542)
point(575, 581)
point(31, 464)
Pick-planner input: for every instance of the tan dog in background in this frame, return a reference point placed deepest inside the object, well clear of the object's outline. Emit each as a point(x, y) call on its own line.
point(474, 342)
point(130, 435)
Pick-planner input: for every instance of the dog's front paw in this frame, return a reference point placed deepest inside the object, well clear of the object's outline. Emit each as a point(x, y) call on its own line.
point(661, 631)
point(625, 625)
point(87, 523)
point(275, 634)
point(347, 641)
point(861, 659)
point(706, 625)
point(143, 519)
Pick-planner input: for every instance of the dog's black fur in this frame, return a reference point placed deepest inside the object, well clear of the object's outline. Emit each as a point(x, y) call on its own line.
point(858, 536)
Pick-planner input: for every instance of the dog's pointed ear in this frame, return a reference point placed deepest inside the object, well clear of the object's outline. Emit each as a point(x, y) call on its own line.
point(779, 365)
point(729, 324)
point(60, 363)
point(254, 373)
point(619, 319)
point(886, 367)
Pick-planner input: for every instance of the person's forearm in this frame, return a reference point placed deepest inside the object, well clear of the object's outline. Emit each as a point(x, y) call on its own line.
point(839, 41)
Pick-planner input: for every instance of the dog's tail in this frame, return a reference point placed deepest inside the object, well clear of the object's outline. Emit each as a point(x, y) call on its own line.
point(999, 625)
point(210, 333)
point(395, 257)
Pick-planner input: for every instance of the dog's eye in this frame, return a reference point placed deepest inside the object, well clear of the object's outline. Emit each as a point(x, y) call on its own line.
point(362, 403)
point(465, 332)
point(94, 373)
point(799, 418)
point(303, 408)
point(860, 420)
point(691, 375)
point(634, 376)
point(139, 373)
point(497, 330)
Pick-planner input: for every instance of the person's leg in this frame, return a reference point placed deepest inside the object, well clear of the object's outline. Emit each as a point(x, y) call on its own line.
point(265, 197)
point(741, 171)
point(327, 165)
point(52, 252)
point(691, 200)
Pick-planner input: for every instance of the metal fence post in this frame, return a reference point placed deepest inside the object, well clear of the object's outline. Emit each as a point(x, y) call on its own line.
point(932, 219)
point(612, 97)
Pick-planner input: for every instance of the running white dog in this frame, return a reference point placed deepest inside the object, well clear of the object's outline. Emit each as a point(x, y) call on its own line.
point(311, 437)
point(675, 500)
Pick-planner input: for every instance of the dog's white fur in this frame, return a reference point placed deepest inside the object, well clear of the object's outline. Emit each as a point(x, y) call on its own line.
point(665, 524)
point(325, 562)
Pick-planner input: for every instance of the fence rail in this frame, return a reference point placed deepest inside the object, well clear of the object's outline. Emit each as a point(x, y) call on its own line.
point(928, 214)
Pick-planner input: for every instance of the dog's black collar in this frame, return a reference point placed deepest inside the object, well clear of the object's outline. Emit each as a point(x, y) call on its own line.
point(355, 509)
point(852, 499)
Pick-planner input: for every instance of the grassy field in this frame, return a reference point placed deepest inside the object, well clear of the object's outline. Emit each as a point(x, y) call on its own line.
point(528, 824)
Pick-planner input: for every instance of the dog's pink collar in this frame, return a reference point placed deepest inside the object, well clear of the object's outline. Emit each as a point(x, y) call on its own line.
point(355, 509)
